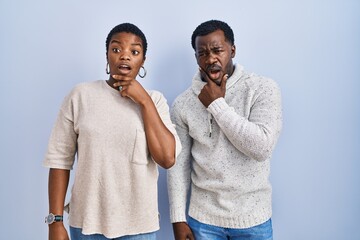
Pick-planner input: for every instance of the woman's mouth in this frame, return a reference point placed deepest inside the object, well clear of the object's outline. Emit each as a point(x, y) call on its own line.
point(124, 69)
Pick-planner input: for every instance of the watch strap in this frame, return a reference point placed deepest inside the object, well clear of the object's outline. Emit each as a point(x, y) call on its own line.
point(58, 218)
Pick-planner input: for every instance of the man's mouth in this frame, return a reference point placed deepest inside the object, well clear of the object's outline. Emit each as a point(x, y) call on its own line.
point(214, 72)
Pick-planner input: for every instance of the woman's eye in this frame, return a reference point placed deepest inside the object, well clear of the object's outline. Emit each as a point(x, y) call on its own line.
point(116, 50)
point(135, 52)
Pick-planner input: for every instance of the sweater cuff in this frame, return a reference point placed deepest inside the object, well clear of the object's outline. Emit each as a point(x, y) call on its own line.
point(217, 106)
point(177, 216)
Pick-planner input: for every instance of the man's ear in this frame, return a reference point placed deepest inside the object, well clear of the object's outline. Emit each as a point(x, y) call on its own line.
point(233, 51)
point(197, 60)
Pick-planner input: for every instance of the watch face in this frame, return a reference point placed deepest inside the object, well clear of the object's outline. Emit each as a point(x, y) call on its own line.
point(50, 218)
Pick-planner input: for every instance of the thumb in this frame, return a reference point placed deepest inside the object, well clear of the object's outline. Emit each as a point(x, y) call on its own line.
point(224, 80)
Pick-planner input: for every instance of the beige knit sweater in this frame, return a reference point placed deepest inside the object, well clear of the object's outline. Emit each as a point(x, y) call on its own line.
point(115, 185)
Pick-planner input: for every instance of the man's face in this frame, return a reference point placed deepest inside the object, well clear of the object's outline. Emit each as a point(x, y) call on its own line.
point(214, 55)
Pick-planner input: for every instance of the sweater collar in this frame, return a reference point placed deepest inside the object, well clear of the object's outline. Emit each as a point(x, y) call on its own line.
point(198, 84)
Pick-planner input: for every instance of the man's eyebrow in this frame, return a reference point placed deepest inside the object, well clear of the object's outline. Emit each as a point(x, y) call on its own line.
point(201, 48)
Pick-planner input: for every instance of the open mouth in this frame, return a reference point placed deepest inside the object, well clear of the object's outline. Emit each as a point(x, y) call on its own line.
point(124, 69)
point(214, 72)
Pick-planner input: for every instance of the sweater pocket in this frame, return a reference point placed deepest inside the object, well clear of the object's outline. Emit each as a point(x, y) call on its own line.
point(141, 152)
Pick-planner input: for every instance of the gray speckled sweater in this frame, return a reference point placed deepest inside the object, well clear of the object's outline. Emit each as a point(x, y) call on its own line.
point(226, 162)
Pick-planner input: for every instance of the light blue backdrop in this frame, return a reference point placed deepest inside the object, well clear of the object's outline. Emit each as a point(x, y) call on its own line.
point(310, 47)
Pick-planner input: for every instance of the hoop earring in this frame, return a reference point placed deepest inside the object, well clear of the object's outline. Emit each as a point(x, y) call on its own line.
point(142, 76)
point(107, 69)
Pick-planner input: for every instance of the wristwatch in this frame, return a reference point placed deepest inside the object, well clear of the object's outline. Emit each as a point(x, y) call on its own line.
point(51, 218)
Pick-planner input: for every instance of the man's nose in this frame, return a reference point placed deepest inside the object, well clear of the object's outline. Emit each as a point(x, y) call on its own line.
point(211, 59)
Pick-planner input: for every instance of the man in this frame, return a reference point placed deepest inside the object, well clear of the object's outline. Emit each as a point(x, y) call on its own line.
point(228, 122)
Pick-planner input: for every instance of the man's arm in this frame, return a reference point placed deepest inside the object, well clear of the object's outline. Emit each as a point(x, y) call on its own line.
point(256, 135)
point(179, 180)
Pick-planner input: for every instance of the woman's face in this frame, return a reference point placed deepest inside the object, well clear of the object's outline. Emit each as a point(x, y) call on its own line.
point(125, 54)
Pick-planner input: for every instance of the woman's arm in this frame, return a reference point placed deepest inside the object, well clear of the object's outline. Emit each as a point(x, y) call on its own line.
point(58, 184)
point(161, 142)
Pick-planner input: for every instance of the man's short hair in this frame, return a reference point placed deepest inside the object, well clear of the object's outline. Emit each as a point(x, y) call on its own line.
point(211, 26)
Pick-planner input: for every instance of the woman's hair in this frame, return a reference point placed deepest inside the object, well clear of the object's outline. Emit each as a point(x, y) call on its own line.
point(129, 28)
point(211, 26)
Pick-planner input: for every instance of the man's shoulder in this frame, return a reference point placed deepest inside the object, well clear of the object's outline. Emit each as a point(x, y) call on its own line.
point(257, 81)
point(184, 96)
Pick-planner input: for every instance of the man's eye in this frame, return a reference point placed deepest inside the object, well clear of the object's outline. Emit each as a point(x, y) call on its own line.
point(201, 54)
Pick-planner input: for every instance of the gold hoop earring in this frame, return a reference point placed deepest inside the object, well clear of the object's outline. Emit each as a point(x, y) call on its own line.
point(107, 69)
point(143, 75)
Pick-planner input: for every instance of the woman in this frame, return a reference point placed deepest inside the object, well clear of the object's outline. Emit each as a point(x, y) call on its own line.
point(120, 133)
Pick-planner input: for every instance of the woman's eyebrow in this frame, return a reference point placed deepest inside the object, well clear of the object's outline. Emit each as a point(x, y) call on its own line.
point(133, 44)
point(136, 44)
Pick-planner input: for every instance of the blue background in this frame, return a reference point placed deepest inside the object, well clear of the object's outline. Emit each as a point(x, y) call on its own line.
point(310, 47)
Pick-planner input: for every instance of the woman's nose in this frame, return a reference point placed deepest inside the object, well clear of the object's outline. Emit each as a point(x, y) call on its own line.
point(124, 56)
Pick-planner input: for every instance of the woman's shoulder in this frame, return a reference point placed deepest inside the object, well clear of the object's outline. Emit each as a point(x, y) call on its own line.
point(84, 87)
point(156, 95)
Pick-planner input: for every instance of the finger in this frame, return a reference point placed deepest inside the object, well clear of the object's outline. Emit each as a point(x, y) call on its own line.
point(121, 83)
point(211, 83)
point(225, 77)
point(119, 86)
point(121, 78)
point(204, 74)
point(223, 81)
point(123, 93)
point(190, 237)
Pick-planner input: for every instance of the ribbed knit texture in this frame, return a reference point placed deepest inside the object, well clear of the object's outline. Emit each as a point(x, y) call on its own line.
point(228, 170)
point(115, 186)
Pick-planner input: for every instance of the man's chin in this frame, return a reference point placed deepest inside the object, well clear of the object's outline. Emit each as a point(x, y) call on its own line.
point(217, 81)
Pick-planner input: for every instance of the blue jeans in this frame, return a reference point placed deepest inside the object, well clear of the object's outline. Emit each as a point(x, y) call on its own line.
point(76, 234)
point(202, 231)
